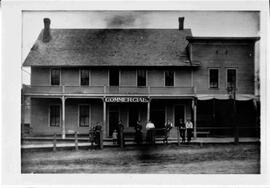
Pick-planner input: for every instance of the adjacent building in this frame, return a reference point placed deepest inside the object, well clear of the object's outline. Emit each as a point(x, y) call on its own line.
point(80, 77)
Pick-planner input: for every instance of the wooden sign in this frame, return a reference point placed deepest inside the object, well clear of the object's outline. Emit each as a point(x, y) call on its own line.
point(127, 99)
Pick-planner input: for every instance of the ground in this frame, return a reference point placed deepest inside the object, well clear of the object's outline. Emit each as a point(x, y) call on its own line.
point(187, 159)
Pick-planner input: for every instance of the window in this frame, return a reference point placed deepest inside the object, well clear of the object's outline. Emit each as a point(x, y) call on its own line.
point(84, 116)
point(169, 78)
point(55, 116)
point(114, 77)
point(141, 77)
point(231, 78)
point(84, 77)
point(55, 77)
point(213, 78)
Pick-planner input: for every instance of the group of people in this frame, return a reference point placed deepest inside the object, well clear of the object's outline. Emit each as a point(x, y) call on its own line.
point(185, 128)
point(185, 131)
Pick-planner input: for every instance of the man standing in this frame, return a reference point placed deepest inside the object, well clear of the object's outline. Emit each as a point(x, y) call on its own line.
point(138, 132)
point(120, 129)
point(150, 135)
point(182, 130)
point(189, 127)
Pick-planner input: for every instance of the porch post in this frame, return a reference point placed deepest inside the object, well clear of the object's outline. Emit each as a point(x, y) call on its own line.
point(63, 118)
point(148, 110)
point(194, 105)
point(104, 115)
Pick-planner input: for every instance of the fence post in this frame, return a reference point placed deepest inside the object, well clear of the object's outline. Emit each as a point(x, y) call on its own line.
point(76, 141)
point(54, 142)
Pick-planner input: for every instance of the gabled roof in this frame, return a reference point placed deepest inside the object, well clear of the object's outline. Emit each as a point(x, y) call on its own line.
point(111, 47)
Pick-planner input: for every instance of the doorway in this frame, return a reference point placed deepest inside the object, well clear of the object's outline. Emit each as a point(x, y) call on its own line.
point(179, 113)
point(158, 117)
point(113, 119)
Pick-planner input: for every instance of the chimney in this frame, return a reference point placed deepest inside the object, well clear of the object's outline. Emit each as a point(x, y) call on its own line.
point(181, 23)
point(46, 31)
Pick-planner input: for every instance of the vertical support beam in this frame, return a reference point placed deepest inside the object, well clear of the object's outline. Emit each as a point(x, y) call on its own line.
point(194, 105)
point(148, 110)
point(63, 117)
point(104, 117)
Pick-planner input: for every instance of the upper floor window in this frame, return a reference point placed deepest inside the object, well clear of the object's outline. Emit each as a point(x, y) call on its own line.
point(213, 78)
point(231, 78)
point(169, 78)
point(114, 77)
point(54, 116)
point(141, 77)
point(55, 77)
point(84, 115)
point(84, 77)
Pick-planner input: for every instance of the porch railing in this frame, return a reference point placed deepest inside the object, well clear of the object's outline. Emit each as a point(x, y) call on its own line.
point(103, 90)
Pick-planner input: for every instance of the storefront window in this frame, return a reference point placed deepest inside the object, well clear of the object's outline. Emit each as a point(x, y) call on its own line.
point(55, 115)
point(213, 74)
point(84, 115)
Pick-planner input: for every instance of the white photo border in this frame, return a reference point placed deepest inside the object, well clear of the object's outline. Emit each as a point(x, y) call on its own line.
point(11, 96)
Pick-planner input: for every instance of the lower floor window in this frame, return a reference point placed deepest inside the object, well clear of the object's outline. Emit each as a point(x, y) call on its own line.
point(84, 115)
point(55, 115)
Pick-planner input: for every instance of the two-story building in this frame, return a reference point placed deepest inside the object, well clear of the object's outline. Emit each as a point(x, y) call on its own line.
point(83, 76)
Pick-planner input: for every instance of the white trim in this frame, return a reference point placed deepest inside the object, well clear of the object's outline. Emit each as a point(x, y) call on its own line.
point(213, 68)
point(89, 107)
point(119, 77)
point(60, 76)
point(231, 68)
point(49, 115)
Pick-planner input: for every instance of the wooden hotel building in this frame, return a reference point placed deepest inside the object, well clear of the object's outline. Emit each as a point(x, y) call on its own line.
point(80, 77)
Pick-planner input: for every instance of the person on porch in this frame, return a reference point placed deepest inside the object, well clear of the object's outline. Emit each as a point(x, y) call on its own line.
point(182, 130)
point(150, 133)
point(120, 129)
point(138, 132)
point(189, 127)
point(168, 127)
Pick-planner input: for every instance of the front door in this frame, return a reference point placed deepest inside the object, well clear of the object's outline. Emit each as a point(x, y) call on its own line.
point(158, 117)
point(179, 112)
point(113, 119)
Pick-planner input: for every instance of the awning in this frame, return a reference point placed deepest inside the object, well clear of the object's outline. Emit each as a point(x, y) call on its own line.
point(238, 97)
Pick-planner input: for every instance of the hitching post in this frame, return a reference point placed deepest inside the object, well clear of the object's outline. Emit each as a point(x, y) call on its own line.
point(76, 141)
point(54, 142)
